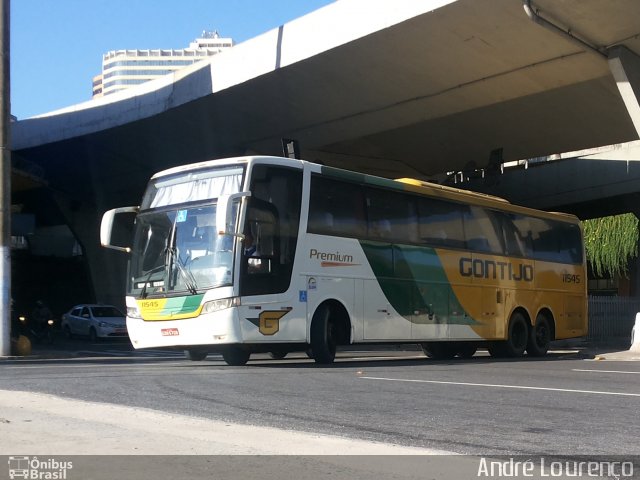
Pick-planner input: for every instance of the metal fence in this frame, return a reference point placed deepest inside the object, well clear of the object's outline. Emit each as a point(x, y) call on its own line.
point(611, 318)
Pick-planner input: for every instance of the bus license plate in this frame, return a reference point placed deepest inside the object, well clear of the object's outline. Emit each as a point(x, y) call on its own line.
point(170, 332)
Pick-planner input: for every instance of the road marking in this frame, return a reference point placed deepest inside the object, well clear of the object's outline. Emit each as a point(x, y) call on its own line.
point(603, 371)
point(491, 385)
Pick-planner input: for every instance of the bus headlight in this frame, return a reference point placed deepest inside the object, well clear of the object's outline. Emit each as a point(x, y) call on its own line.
point(221, 304)
point(133, 312)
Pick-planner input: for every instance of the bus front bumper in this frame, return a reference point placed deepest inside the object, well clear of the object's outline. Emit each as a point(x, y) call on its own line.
point(216, 328)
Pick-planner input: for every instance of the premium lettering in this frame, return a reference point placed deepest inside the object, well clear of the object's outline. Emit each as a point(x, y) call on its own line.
point(330, 257)
point(495, 270)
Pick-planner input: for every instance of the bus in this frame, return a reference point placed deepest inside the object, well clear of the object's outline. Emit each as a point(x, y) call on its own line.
point(340, 258)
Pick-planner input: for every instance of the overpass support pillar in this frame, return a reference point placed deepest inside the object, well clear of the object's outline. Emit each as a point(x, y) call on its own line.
point(107, 268)
point(625, 67)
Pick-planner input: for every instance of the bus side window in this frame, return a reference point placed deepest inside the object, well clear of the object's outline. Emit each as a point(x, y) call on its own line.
point(515, 239)
point(343, 201)
point(440, 223)
point(483, 231)
point(320, 222)
point(391, 216)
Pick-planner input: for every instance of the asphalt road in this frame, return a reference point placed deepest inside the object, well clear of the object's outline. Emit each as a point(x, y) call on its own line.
point(562, 405)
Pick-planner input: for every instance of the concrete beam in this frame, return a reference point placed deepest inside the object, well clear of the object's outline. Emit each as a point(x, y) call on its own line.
point(588, 183)
point(625, 67)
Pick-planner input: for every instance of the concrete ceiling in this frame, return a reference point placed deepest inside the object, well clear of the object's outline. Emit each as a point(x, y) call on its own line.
point(417, 96)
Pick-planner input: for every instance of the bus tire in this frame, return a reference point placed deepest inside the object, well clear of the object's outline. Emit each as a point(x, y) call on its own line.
point(439, 350)
point(323, 341)
point(518, 337)
point(497, 349)
point(278, 354)
point(466, 350)
point(195, 355)
point(236, 356)
point(539, 337)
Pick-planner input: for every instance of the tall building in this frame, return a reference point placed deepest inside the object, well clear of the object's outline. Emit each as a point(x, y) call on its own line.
point(122, 69)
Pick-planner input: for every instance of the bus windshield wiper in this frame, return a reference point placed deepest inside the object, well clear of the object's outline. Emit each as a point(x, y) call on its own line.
point(172, 258)
point(143, 293)
point(187, 276)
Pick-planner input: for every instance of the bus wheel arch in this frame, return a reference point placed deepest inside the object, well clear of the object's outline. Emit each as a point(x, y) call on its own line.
point(541, 334)
point(330, 327)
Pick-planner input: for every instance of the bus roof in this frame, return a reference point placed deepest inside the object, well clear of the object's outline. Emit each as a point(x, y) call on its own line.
point(420, 183)
point(226, 161)
point(415, 185)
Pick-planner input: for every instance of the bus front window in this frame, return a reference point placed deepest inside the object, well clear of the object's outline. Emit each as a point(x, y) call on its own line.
point(179, 251)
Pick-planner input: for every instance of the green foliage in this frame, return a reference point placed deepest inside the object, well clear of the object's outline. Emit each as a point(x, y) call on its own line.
point(610, 243)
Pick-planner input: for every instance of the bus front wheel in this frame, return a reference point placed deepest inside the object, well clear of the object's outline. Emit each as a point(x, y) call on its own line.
point(195, 355)
point(236, 356)
point(323, 336)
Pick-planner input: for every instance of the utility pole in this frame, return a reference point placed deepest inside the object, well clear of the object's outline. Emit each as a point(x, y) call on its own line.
point(5, 181)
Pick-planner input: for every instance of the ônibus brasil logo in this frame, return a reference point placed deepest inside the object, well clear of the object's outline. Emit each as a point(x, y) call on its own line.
point(38, 469)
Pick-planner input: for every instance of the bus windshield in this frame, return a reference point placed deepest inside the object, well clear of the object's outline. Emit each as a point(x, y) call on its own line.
point(178, 251)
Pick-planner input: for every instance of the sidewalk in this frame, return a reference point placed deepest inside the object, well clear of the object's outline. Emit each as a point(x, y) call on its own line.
point(625, 355)
point(599, 351)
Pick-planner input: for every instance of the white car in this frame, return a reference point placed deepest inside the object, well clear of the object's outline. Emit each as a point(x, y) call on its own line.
point(94, 321)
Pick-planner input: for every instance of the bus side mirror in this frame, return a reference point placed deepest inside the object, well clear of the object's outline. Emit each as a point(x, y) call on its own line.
point(106, 227)
point(224, 213)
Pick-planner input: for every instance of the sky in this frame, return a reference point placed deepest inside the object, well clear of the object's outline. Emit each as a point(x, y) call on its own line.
point(57, 45)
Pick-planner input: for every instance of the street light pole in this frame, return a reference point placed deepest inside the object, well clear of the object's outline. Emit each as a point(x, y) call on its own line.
point(5, 181)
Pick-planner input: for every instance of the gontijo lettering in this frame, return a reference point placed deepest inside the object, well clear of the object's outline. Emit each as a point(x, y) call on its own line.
point(491, 269)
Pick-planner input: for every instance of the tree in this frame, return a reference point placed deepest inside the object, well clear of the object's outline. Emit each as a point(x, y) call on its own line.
point(610, 243)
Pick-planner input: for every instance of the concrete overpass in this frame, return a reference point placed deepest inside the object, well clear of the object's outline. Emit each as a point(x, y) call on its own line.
point(405, 88)
point(591, 183)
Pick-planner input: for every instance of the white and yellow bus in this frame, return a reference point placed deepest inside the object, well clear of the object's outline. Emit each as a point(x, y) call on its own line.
point(269, 254)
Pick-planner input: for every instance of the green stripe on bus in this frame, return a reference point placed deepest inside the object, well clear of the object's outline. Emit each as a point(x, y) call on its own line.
point(413, 280)
point(179, 305)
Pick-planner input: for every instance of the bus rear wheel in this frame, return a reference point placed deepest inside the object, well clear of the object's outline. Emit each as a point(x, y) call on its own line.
point(539, 337)
point(439, 350)
point(518, 336)
point(323, 336)
point(497, 350)
point(516, 342)
point(236, 356)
